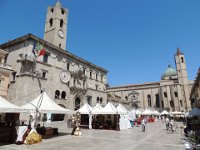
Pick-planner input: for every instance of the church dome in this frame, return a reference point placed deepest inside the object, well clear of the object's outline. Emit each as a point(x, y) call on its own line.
point(169, 72)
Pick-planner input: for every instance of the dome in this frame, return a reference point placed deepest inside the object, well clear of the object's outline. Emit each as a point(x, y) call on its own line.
point(169, 72)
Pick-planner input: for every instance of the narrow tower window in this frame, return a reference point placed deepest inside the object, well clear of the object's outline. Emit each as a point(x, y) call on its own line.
point(61, 23)
point(62, 11)
point(182, 59)
point(51, 22)
point(52, 10)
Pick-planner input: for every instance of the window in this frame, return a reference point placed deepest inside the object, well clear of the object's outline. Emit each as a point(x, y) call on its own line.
point(176, 94)
point(89, 100)
point(52, 10)
point(162, 103)
point(51, 22)
point(0, 81)
point(62, 11)
point(45, 58)
point(182, 59)
point(101, 100)
point(126, 97)
point(63, 94)
point(44, 74)
point(181, 103)
point(171, 103)
point(61, 23)
point(57, 94)
point(60, 45)
point(157, 100)
point(165, 94)
point(96, 76)
point(149, 100)
point(68, 66)
point(98, 99)
point(96, 86)
point(84, 72)
point(90, 74)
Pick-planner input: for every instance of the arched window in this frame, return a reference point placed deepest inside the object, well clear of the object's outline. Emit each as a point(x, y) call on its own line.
point(57, 94)
point(98, 99)
point(182, 59)
point(51, 22)
point(126, 97)
point(63, 94)
point(52, 10)
point(77, 103)
point(61, 23)
point(176, 94)
point(149, 100)
point(157, 100)
point(181, 103)
point(62, 11)
point(165, 94)
point(171, 103)
point(101, 100)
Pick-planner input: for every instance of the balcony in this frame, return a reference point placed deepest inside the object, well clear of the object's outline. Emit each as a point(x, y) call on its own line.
point(26, 58)
point(75, 89)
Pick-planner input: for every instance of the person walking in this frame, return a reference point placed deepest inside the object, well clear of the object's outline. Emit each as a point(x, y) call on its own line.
point(143, 123)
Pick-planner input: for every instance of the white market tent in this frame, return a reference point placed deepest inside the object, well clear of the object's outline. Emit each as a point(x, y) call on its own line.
point(85, 109)
point(96, 109)
point(7, 107)
point(164, 112)
point(121, 109)
point(176, 113)
point(147, 112)
point(155, 112)
point(109, 109)
point(44, 104)
point(194, 112)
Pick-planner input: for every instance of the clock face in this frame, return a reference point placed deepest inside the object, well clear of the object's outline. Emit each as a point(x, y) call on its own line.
point(61, 34)
point(65, 76)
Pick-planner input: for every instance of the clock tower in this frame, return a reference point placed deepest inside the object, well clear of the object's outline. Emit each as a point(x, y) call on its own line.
point(56, 25)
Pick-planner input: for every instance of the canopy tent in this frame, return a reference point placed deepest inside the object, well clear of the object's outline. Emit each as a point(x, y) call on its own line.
point(44, 104)
point(109, 109)
point(176, 113)
point(194, 112)
point(155, 112)
point(7, 107)
point(96, 109)
point(85, 109)
point(164, 112)
point(147, 112)
point(121, 109)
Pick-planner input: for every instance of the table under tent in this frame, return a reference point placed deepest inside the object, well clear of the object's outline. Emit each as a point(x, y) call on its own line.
point(9, 116)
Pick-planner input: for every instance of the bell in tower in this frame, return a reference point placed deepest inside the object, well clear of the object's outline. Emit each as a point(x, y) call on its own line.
point(56, 26)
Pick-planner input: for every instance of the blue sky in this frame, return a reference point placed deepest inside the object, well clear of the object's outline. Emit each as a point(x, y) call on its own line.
point(134, 40)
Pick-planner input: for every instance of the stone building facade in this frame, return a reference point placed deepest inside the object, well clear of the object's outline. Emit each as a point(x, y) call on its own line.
point(171, 93)
point(195, 92)
point(5, 72)
point(45, 65)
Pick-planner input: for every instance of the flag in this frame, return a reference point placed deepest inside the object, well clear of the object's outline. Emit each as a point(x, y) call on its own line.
point(41, 52)
point(33, 50)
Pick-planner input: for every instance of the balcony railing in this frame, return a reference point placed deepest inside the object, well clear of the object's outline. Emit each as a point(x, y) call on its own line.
point(26, 57)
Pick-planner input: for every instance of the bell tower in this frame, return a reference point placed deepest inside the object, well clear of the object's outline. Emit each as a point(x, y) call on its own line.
point(56, 26)
point(182, 75)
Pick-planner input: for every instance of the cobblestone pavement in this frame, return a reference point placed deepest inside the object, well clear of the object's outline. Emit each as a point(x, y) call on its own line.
point(155, 138)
